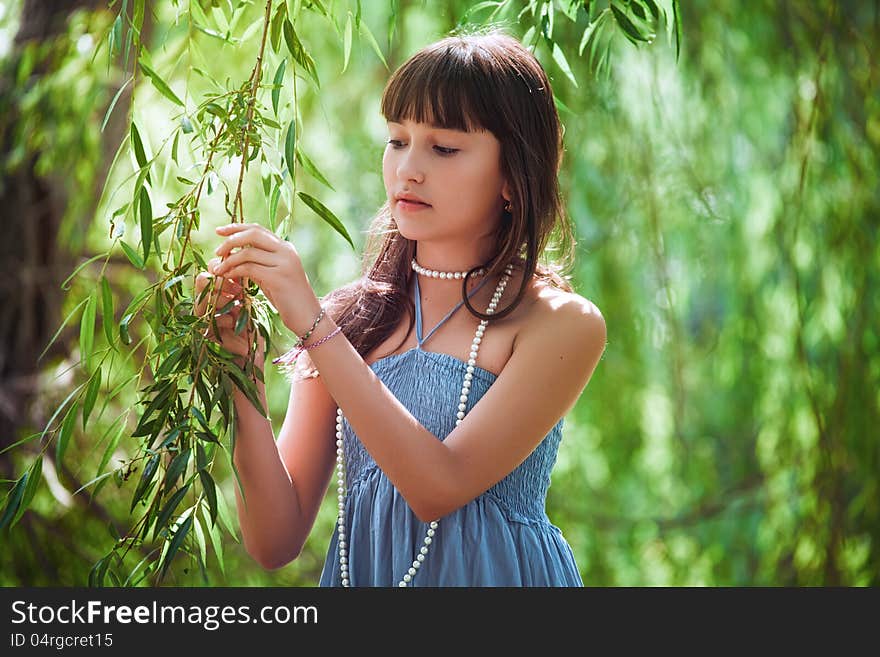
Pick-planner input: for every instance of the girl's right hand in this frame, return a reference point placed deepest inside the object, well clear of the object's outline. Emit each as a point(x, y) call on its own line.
point(225, 290)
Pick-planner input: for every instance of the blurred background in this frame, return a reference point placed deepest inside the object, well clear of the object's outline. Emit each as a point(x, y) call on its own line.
point(725, 204)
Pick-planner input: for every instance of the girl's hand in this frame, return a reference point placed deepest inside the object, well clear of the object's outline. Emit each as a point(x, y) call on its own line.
point(224, 291)
point(274, 265)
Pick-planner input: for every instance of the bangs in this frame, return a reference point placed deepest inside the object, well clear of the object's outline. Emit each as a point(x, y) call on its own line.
point(445, 88)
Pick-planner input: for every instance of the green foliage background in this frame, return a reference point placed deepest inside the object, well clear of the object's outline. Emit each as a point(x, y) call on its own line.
point(726, 207)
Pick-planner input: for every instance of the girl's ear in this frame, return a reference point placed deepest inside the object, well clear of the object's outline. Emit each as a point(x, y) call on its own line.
point(505, 191)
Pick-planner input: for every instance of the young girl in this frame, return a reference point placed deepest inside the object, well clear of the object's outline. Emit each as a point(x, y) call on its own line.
point(439, 425)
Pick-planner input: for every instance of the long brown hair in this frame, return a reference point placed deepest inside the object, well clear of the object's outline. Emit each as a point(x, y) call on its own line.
point(468, 82)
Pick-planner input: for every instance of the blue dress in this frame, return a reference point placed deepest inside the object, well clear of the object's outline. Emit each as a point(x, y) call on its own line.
point(501, 538)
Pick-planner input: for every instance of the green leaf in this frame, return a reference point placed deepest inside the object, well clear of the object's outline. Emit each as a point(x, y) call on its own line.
point(60, 328)
point(105, 459)
point(160, 400)
point(171, 361)
point(168, 509)
point(310, 167)
point(201, 457)
point(115, 36)
point(13, 500)
point(275, 30)
point(676, 13)
point(91, 396)
point(140, 155)
point(220, 350)
point(160, 84)
point(559, 58)
point(291, 40)
point(277, 83)
point(170, 437)
point(207, 436)
point(123, 329)
point(273, 205)
point(20, 441)
point(66, 431)
point(132, 255)
point(204, 395)
point(107, 316)
point(637, 9)
point(224, 514)
point(326, 214)
point(373, 43)
point(138, 16)
point(320, 7)
point(242, 321)
point(87, 331)
point(174, 280)
point(210, 492)
point(64, 285)
point(130, 581)
point(629, 29)
point(174, 149)
point(216, 543)
point(196, 13)
point(141, 296)
point(200, 539)
point(652, 6)
point(477, 8)
point(145, 480)
point(547, 21)
point(179, 535)
point(571, 9)
point(300, 54)
point(35, 476)
point(96, 574)
point(176, 468)
point(562, 107)
point(138, 146)
point(201, 418)
point(146, 222)
point(248, 388)
point(346, 48)
point(113, 103)
point(290, 148)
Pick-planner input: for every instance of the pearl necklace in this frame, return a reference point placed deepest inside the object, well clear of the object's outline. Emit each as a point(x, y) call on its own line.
point(458, 275)
point(340, 452)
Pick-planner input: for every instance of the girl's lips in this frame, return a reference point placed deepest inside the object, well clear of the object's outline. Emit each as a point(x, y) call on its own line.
point(411, 205)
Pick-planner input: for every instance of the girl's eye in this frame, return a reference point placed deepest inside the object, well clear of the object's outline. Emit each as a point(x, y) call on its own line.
point(396, 143)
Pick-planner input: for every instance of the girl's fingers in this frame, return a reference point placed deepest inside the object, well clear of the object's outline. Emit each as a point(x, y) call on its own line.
point(253, 255)
point(224, 288)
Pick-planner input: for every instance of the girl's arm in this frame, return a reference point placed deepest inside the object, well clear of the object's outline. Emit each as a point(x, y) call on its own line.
point(284, 482)
point(553, 359)
point(552, 362)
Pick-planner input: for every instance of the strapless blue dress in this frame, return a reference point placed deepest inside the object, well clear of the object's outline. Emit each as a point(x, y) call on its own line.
point(501, 538)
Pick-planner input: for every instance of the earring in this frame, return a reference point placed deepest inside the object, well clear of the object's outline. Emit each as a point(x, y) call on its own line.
point(508, 208)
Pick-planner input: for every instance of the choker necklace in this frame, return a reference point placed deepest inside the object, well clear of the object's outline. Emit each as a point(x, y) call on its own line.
point(458, 275)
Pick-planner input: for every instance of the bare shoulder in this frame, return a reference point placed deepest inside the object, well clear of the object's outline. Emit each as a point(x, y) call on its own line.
point(557, 315)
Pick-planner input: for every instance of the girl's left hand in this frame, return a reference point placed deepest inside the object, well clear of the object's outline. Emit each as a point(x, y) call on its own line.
point(274, 265)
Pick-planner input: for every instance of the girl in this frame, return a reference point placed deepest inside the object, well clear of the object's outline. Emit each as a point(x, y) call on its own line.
point(440, 427)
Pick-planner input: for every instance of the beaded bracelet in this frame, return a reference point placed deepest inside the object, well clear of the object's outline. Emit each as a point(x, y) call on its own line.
point(290, 356)
point(303, 339)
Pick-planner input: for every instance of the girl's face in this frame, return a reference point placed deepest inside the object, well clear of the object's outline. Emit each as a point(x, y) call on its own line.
point(457, 174)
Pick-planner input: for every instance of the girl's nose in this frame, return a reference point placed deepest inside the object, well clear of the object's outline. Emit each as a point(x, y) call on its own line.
point(409, 167)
